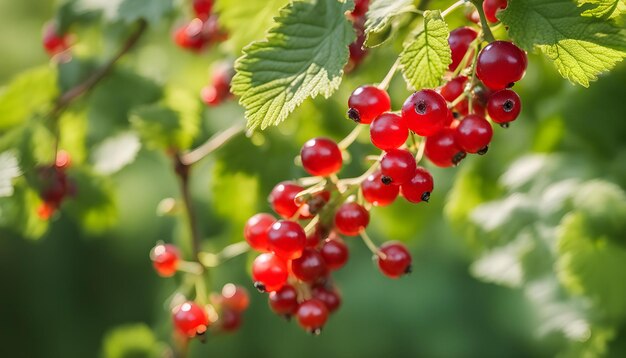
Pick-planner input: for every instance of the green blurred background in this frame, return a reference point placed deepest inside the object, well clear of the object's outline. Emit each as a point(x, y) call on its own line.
point(65, 292)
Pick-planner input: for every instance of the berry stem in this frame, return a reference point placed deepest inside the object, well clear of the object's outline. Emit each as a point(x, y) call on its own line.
point(470, 84)
point(350, 138)
point(208, 259)
point(453, 7)
point(371, 245)
point(310, 227)
point(478, 4)
point(182, 171)
point(190, 267)
point(420, 151)
point(212, 144)
point(384, 84)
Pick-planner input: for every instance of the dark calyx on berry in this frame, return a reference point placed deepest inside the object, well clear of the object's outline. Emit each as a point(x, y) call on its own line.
point(483, 151)
point(409, 269)
point(426, 196)
point(316, 331)
point(504, 125)
point(458, 157)
point(260, 287)
point(354, 115)
point(508, 105)
point(420, 107)
point(386, 180)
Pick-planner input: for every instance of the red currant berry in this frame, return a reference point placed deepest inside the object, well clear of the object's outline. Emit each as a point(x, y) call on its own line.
point(376, 192)
point(491, 7)
point(419, 188)
point(54, 42)
point(190, 36)
point(269, 272)
point(284, 301)
point(202, 8)
point(309, 267)
point(190, 319)
point(314, 238)
point(351, 218)
point(453, 88)
point(63, 160)
point(425, 112)
point(396, 261)
point(321, 157)
point(460, 40)
point(388, 131)
point(397, 166)
point(367, 103)
point(501, 64)
point(331, 298)
point(286, 239)
point(335, 253)
point(46, 210)
point(442, 149)
point(235, 297)
point(255, 231)
point(360, 8)
point(462, 108)
point(504, 106)
point(165, 258)
point(312, 315)
point(230, 320)
point(282, 199)
point(474, 134)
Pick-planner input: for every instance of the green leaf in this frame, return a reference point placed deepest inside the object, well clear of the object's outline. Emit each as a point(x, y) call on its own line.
point(247, 20)
point(94, 205)
point(303, 56)
point(71, 13)
point(116, 152)
point(9, 170)
point(131, 341)
point(607, 9)
point(380, 16)
point(150, 10)
point(427, 57)
point(18, 213)
point(30, 92)
point(581, 47)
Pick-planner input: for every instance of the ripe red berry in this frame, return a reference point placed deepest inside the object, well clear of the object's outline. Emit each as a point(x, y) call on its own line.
point(491, 7)
point(443, 150)
point(189, 36)
point(474, 134)
point(453, 88)
point(255, 231)
point(460, 40)
point(419, 188)
point(309, 267)
point(331, 298)
point(53, 41)
point(230, 320)
point(397, 166)
point(63, 160)
point(202, 8)
point(388, 131)
point(501, 64)
point(462, 108)
point(351, 218)
point(425, 112)
point(504, 106)
point(286, 239)
point(335, 253)
point(219, 89)
point(376, 192)
point(360, 7)
point(269, 272)
point(284, 301)
point(313, 239)
point(46, 209)
point(282, 199)
point(165, 258)
point(235, 297)
point(312, 315)
point(367, 103)
point(321, 157)
point(190, 319)
point(397, 259)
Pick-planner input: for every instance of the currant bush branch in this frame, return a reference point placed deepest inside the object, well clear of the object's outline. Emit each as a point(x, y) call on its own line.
point(212, 144)
point(488, 35)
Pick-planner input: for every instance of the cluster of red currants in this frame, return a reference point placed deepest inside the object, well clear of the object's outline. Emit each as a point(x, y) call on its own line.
point(202, 31)
point(357, 51)
point(222, 314)
point(54, 185)
point(54, 42)
point(219, 89)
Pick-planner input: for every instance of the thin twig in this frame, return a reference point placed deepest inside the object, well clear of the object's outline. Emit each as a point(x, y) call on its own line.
point(478, 4)
point(213, 143)
point(182, 172)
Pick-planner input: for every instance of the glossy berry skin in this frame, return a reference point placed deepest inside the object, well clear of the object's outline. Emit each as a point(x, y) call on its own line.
point(501, 64)
point(460, 40)
point(504, 106)
point(309, 267)
point(230, 320)
point(321, 157)
point(331, 298)
point(388, 131)
point(286, 239)
point(419, 188)
point(314, 238)
point(425, 112)
point(282, 199)
point(202, 8)
point(53, 42)
point(284, 301)
point(367, 103)
point(255, 231)
point(190, 319)
point(335, 253)
point(165, 259)
point(453, 88)
point(474, 134)
point(397, 261)
point(360, 7)
point(491, 7)
point(443, 150)
point(269, 272)
point(376, 192)
point(351, 218)
point(235, 298)
point(312, 315)
point(397, 166)
point(462, 108)
point(190, 36)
